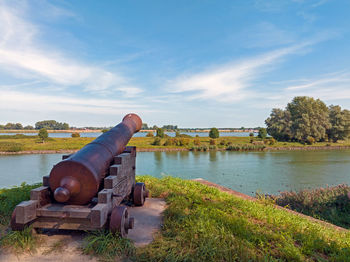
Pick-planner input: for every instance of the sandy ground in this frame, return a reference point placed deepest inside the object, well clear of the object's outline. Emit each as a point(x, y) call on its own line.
point(65, 246)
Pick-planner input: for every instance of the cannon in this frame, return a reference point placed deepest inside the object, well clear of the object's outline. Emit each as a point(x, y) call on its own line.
point(89, 189)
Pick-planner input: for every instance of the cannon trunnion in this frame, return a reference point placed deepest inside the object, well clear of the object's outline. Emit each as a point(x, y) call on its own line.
point(63, 201)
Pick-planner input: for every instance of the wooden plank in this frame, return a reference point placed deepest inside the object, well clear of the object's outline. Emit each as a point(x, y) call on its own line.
point(110, 182)
point(41, 194)
point(63, 223)
point(115, 170)
point(105, 196)
point(131, 149)
point(26, 211)
point(122, 158)
point(46, 181)
point(99, 215)
point(64, 211)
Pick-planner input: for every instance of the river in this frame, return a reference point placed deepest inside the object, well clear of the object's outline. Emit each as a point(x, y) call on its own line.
point(247, 172)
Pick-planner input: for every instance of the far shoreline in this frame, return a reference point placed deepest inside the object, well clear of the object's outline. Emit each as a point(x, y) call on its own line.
point(174, 149)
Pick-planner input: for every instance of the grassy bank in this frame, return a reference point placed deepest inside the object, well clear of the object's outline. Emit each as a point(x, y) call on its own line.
point(20, 143)
point(330, 204)
point(204, 224)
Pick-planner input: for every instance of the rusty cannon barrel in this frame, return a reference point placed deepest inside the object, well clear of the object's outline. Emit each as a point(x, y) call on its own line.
point(76, 180)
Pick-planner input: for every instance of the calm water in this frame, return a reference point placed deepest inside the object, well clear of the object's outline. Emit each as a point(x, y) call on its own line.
point(140, 134)
point(267, 172)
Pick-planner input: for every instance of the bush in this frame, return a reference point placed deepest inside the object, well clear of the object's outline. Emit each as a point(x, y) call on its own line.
point(212, 142)
point(171, 142)
point(262, 133)
point(310, 140)
point(104, 130)
point(157, 141)
point(160, 132)
point(270, 141)
point(184, 142)
point(196, 141)
point(223, 142)
point(75, 134)
point(43, 135)
point(10, 147)
point(150, 134)
point(214, 133)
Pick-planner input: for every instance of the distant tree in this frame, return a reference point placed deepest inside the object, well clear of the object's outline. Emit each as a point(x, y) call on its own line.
point(75, 134)
point(28, 127)
point(2, 127)
point(160, 132)
point(104, 130)
point(154, 127)
point(251, 135)
point(214, 133)
point(18, 126)
point(309, 117)
point(51, 125)
point(177, 134)
point(43, 135)
point(169, 127)
point(340, 123)
point(150, 134)
point(144, 126)
point(279, 125)
point(9, 126)
point(262, 133)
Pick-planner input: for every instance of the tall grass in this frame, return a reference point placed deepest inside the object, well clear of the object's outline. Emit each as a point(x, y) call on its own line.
point(330, 204)
point(10, 147)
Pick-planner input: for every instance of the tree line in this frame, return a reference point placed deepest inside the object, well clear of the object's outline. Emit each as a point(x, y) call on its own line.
point(47, 124)
point(309, 120)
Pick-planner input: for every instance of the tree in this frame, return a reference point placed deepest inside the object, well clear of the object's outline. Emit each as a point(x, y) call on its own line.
point(340, 123)
point(51, 124)
point(279, 125)
point(28, 127)
point(160, 132)
point(309, 117)
point(262, 133)
point(144, 126)
point(43, 135)
point(214, 133)
point(303, 117)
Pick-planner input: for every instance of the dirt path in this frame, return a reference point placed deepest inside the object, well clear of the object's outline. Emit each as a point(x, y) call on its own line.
point(64, 246)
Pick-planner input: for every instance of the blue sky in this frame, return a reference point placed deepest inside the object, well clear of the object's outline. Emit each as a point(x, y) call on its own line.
point(189, 63)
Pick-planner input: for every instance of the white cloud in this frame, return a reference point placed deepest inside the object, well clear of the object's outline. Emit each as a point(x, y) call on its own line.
point(22, 55)
point(231, 82)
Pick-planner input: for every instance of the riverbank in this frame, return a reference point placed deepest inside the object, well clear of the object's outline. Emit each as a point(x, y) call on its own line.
point(21, 144)
point(202, 223)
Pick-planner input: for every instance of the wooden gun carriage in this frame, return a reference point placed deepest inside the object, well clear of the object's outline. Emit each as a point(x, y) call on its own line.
point(88, 190)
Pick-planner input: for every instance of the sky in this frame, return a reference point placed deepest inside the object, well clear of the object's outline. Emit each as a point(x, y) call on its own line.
point(196, 63)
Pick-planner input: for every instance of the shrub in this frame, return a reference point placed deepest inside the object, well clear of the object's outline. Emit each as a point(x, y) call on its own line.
point(262, 133)
point(43, 135)
point(157, 141)
point(212, 142)
point(196, 141)
point(104, 130)
point(10, 147)
point(75, 134)
point(310, 140)
point(171, 142)
point(270, 141)
point(223, 142)
point(150, 134)
point(214, 133)
point(184, 142)
point(160, 132)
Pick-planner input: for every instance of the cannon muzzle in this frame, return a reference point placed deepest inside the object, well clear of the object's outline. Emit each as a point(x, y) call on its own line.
point(76, 180)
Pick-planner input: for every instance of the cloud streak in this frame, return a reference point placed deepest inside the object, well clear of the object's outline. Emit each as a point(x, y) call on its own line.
point(22, 55)
point(231, 82)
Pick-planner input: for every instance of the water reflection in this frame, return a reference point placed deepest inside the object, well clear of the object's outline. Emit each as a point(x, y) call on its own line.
point(247, 172)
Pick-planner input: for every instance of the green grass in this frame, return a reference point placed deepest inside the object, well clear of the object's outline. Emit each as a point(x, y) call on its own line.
point(18, 143)
point(330, 204)
point(20, 241)
point(204, 224)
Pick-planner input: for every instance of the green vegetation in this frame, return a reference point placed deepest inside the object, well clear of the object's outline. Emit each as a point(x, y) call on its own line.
point(204, 224)
point(75, 134)
point(43, 135)
point(308, 120)
point(12, 126)
point(10, 147)
point(160, 132)
point(51, 125)
point(262, 133)
point(18, 143)
point(107, 246)
point(214, 133)
point(331, 204)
